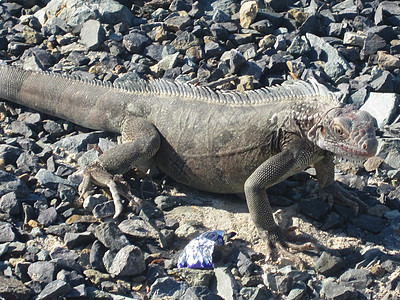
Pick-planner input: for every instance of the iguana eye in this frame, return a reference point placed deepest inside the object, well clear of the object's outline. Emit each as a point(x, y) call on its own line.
point(338, 130)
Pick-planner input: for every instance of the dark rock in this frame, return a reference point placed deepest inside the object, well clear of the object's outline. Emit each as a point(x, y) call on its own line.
point(314, 208)
point(199, 293)
point(111, 236)
point(284, 283)
point(383, 83)
point(13, 289)
point(54, 289)
point(42, 271)
point(370, 223)
point(328, 265)
point(73, 278)
point(219, 32)
point(176, 23)
point(356, 278)
point(60, 252)
point(372, 44)
point(129, 261)
point(178, 5)
point(9, 153)
point(9, 204)
point(299, 46)
point(73, 239)
point(154, 272)
point(22, 128)
point(28, 162)
point(298, 291)
point(79, 142)
point(104, 210)
point(135, 42)
point(333, 290)
point(212, 48)
point(167, 287)
point(48, 216)
point(96, 256)
point(138, 228)
point(114, 13)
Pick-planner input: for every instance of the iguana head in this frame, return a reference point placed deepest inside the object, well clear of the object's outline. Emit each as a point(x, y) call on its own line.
point(346, 132)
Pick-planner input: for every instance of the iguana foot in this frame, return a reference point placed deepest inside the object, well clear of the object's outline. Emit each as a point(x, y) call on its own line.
point(96, 174)
point(282, 241)
point(335, 193)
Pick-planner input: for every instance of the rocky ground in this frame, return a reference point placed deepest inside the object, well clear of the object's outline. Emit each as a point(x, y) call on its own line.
point(54, 246)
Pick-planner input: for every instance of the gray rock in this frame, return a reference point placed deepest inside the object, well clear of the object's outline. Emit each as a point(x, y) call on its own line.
point(135, 42)
point(167, 202)
point(104, 210)
point(328, 265)
point(196, 277)
point(91, 201)
point(92, 34)
point(54, 289)
point(138, 228)
point(9, 204)
point(48, 216)
point(299, 46)
point(382, 106)
point(383, 82)
point(77, 13)
point(332, 290)
point(63, 253)
point(176, 23)
point(22, 128)
point(167, 287)
point(198, 293)
point(28, 162)
point(42, 272)
point(356, 278)
point(354, 38)
point(298, 291)
point(79, 142)
point(111, 236)
point(212, 48)
point(6, 232)
point(226, 285)
point(335, 65)
point(129, 261)
point(48, 179)
point(389, 150)
point(113, 13)
point(108, 259)
point(11, 288)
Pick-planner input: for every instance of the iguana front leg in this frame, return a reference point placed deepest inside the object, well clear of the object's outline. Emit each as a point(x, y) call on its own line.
point(330, 190)
point(140, 141)
point(277, 168)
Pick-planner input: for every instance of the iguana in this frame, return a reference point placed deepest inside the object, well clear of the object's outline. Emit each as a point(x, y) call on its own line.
point(217, 141)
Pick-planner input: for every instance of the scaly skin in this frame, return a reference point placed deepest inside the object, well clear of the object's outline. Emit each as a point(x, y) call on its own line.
point(223, 142)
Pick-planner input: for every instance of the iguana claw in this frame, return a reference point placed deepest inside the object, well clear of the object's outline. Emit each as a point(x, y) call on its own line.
point(96, 174)
point(279, 239)
point(335, 193)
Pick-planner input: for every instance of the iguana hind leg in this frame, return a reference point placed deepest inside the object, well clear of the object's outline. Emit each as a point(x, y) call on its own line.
point(140, 141)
